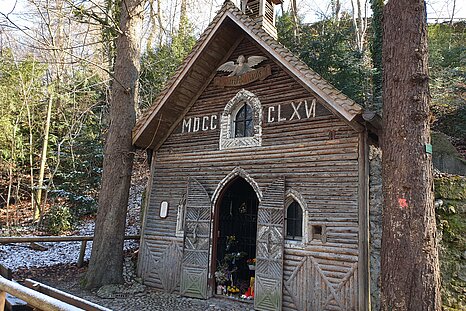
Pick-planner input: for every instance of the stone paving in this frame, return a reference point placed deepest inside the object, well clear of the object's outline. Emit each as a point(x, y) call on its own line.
point(154, 300)
point(134, 296)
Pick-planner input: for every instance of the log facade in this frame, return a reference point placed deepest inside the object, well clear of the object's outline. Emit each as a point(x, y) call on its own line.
point(301, 149)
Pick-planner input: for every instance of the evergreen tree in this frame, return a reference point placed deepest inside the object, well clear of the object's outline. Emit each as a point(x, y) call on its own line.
point(410, 274)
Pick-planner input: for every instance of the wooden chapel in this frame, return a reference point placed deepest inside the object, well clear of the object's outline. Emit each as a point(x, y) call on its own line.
point(256, 159)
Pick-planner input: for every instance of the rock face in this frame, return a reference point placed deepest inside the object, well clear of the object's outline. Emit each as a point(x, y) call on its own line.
point(445, 157)
point(375, 223)
point(451, 229)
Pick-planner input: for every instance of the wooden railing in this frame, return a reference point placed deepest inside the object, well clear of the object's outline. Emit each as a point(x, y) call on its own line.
point(83, 238)
point(41, 296)
point(62, 296)
point(32, 297)
point(44, 298)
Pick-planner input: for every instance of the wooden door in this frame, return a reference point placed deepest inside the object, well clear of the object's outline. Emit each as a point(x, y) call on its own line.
point(269, 249)
point(195, 262)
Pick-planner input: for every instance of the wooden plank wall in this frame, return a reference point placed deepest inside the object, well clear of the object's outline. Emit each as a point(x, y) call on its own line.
point(319, 158)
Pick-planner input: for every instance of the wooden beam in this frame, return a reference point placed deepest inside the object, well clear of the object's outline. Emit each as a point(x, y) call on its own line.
point(63, 296)
point(363, 258)
point(2, 300)
point(35, 299)
point(26, 239)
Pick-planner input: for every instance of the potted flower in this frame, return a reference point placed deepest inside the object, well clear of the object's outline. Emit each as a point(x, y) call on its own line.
point(251, 263)
point(222, 276)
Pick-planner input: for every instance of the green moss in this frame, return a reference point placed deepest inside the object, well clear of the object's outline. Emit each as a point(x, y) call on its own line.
point(451, 225)
point(453, 262)
point(452, 188)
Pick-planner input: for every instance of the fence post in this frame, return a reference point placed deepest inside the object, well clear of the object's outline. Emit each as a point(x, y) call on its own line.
point(82, 253)
point(5, 272)
point(2, 300)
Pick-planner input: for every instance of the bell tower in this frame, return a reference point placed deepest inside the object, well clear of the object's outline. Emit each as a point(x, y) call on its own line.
point(263, 12)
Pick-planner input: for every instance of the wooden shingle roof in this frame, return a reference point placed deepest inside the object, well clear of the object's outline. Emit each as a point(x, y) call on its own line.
point(199, 68)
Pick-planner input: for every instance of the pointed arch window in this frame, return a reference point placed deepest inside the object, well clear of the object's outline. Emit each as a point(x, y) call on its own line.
point(241, 122)
point(244, 126)
point(294, 222)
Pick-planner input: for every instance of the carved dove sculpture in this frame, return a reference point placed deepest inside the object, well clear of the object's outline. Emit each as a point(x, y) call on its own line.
point(242, 65)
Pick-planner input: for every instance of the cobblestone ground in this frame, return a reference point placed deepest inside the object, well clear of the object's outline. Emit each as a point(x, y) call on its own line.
point(153, 300)
point(134, 296)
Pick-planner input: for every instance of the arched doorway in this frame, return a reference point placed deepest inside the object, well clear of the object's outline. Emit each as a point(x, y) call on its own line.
point(235, 235)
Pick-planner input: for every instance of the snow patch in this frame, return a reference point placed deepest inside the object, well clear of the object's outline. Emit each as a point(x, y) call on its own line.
point(20, 255)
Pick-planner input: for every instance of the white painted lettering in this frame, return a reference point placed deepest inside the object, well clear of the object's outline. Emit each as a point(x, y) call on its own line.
point(295, 110)
point(205, 123)
point(270, 119)
point(310, 111)
point(280, 114)
point(213, 122)
point(196, 124)
point(186, 125)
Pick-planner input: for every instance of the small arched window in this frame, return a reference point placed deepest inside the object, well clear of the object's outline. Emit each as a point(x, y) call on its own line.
point(294, 221)
point(244, 122)
point(241, 122)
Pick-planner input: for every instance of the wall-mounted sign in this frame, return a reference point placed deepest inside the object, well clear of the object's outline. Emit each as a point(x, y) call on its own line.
point(241, 71)
point(249, 77)
point(163, 209)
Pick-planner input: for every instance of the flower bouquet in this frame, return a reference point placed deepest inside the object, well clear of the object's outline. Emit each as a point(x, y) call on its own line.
point(233, 290)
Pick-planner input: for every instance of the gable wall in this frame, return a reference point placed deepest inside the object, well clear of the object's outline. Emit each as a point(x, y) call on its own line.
point(324, 171)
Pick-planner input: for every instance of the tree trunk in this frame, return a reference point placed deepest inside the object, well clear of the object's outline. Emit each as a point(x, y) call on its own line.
point(376, 54)
point(152, 26)
point(410, 270)
point(106, 264)
point(336, 6)
point(183, 25)
point(294, 13)
point(38, 211)
point(359, 23)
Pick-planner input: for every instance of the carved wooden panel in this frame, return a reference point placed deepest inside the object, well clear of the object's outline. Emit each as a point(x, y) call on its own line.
point(169, 267)
point(161, 262)
point(146, 260)
point(313, 286)
point(195, 262)
point(269, 249)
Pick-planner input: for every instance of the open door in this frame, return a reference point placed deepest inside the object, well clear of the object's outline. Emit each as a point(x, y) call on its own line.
point(195, 262)
point(269, 253)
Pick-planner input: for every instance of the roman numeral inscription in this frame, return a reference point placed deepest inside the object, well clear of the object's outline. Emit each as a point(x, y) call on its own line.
point(299, 110)
point(290, 111)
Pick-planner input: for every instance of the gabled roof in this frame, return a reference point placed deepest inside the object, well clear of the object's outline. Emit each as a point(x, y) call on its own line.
point(199, 68)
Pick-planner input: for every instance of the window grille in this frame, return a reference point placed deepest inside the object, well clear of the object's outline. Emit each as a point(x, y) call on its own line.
point(243, 122)
point(294, 221)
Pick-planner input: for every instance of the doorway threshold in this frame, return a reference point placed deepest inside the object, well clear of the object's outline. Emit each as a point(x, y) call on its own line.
point(236, 299)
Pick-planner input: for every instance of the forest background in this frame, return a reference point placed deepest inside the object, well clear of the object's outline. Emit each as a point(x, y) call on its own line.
point(56, 62)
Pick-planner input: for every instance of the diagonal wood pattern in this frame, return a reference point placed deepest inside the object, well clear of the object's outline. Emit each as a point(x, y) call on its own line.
point(195, 263)
point(269, 249)
point(168, 267)
point(313, 288)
